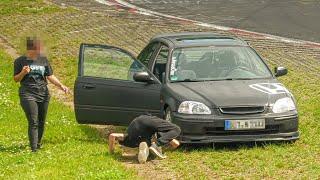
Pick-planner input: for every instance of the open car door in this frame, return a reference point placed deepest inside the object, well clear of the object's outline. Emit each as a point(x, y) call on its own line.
point(105, 92)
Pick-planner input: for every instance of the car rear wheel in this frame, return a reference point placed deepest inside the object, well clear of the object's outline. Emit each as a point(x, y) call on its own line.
point(168, 114)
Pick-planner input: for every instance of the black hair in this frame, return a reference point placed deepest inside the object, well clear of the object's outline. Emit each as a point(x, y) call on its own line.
point(128, 142)
point(31, 43)
point(124, 141)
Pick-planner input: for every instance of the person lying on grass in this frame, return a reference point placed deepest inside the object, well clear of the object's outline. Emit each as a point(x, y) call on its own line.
point(140, 133)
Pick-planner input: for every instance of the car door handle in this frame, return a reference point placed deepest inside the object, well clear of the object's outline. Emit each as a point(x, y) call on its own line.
point(88, 86)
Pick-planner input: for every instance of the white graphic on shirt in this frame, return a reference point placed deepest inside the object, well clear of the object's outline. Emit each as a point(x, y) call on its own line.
point(37, 70)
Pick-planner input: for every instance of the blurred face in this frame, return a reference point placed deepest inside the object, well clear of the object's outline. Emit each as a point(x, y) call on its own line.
point(35, 48)
point(32, 52)
point(39, 47)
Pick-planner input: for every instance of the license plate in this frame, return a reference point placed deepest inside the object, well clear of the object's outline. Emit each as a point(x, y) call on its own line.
point(244, 124)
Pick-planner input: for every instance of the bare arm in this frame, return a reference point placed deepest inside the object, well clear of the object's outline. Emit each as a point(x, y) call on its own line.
point(174, 143)
point(25, 70)
point(54, 80)
point(113, 137)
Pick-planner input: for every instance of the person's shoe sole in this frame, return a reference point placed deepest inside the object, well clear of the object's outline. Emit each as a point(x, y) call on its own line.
point(143, 152)
point(156, 153)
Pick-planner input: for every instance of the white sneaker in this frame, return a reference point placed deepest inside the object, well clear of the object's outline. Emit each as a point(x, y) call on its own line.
point(143, 152)
point(157, 151)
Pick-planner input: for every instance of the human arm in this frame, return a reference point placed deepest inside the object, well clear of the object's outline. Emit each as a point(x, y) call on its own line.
point(54, 80)
point(18, 77)
point(113, 138)
point(174, 143)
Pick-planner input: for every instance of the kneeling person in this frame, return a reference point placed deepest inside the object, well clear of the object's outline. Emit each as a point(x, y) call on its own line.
point(140, 132)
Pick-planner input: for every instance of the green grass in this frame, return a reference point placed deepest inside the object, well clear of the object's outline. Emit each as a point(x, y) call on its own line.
point(70, 150)
point(25, 7)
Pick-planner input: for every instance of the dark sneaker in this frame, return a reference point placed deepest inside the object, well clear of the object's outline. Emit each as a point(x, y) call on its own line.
point(143, 152)
point(34, 150)
point(157, 151)
point(39, 146)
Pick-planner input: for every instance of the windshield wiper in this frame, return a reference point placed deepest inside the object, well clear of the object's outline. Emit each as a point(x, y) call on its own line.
point(186, 80)
point(229, 79)
point(239, 78)
point(214, 80)
point(226, 79)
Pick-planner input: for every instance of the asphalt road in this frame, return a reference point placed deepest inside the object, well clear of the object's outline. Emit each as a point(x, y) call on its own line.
point(299, 19)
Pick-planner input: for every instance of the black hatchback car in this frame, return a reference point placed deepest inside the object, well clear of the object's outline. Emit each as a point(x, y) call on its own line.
point(216, 88)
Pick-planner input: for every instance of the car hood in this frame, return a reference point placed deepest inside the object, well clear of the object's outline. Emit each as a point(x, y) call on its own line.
point(229, 93)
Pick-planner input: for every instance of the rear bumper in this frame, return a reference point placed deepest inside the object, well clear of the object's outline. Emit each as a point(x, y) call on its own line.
point(200, 129)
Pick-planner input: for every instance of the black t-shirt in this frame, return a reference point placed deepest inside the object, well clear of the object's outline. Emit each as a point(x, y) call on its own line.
point(34, 84)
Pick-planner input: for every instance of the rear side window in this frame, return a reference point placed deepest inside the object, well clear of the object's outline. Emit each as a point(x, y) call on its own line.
point(161, 60)
point(109, 63)
point(146, 54)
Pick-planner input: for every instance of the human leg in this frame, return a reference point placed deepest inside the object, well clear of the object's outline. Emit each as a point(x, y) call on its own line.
point(31, 110)
point(167, 135)
point(167, 132)
point(42, 113)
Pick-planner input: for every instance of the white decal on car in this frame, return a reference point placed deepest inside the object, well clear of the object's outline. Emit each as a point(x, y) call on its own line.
point(270, 88)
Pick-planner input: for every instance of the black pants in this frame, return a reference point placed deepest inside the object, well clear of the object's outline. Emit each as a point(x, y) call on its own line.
point(36, 113)
point(144, 127)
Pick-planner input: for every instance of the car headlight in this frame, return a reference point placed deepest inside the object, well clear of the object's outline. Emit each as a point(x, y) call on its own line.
point(193, 107)
point(283, 105)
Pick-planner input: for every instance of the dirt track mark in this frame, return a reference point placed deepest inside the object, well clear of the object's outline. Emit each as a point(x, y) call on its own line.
point(8, 47)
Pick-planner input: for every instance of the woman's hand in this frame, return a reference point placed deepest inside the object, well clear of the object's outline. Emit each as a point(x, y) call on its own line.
point(64, 88)
point(56, 82)
point(25, 70)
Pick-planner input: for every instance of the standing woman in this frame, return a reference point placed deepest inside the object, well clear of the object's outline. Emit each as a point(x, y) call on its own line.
point(32, 71)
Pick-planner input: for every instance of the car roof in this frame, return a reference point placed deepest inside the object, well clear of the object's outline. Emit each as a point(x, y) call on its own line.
point(193, 39)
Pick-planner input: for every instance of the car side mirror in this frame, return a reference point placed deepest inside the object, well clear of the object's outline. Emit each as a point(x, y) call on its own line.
point(280, 71)
point(142, 77)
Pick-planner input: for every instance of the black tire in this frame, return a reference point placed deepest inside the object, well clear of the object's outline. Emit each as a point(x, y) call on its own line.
point(167, 115)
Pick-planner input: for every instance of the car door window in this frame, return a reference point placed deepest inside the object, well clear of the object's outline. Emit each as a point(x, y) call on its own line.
point(110, 63)
point(161, 60)
point(105, 92)
point(146, 54)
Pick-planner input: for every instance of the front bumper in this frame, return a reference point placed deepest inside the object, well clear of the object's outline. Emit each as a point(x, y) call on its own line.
point(239, 138)
point(209, 129)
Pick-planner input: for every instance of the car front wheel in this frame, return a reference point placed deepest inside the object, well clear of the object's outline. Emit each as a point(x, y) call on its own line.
point(168, 115)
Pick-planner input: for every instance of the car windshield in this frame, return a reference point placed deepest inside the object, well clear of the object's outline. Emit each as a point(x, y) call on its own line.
point(216, 63)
